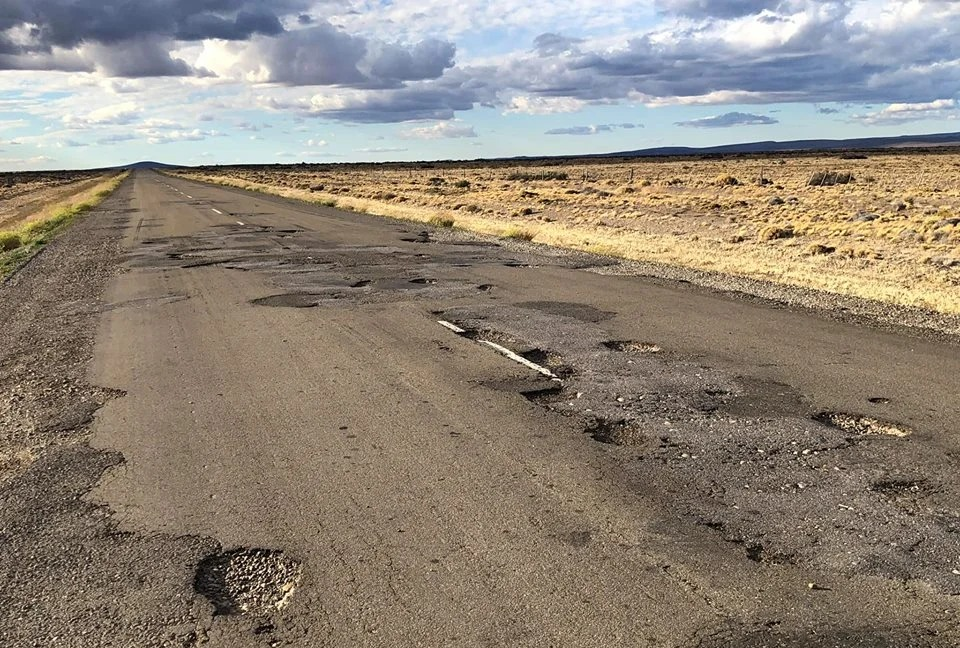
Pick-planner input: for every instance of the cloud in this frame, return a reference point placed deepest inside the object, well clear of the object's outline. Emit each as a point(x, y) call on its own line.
point(899, 113)
point(716, 8)
point(824, 110)
point(425, 101)
point(381, 149)
point(316, 143)
point(728, 120)
point(550, 44)
point(115, 115)
point(529, 105)
point(169, 136)
point(324, 55)
point(68, 23)
point(442, 130)
point(590, 130)
point(116, 139)
point(70, 143)
point(144, 57)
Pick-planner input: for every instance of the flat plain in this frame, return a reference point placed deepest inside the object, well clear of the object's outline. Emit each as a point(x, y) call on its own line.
point(882, 226)
point(30, 195)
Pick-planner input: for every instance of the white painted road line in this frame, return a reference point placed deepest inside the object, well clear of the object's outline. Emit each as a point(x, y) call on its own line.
point(240, 223)
point(218, 212)
point(190, 197)
point(504, 350)
point(453, 327)
point(517, 358)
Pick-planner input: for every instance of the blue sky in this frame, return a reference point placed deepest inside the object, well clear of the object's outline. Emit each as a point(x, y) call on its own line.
point(87, 84)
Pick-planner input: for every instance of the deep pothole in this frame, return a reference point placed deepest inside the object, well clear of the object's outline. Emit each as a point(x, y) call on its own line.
point(248, 580)
point(861, 425)
point(632, 346)
point(621, 432)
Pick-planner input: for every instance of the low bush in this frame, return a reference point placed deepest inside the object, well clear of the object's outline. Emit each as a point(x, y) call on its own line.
point(441, 221)
point(519, 234)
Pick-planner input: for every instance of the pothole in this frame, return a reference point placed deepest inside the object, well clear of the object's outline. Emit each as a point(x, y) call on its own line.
point(879, 400)
point(898, 487)
point(631, 346)
point(861, 425)
point(363, 283)
point(619, 432)
point(552, 361)
point(422, 237)
point(545, 395)
point(423, 281)
point(247, 581)
point(291, 300)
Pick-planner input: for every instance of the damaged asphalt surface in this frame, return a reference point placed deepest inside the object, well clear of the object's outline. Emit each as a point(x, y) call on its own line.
point(231, 420)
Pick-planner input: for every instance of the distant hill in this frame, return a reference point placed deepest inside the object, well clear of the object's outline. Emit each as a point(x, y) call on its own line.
point(148, 165)
point(863, 143)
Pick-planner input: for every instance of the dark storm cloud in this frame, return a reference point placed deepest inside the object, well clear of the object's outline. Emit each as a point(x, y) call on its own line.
point(426, 60)
point(728, 120)
point(325, 55)
point(67, 23)
point(124, 25)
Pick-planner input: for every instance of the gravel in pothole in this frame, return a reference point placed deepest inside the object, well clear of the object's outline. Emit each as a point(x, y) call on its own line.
point(248, 581)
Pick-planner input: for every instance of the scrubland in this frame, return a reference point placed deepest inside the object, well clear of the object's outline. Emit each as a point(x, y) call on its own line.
point(882, 226)
point(33, 206)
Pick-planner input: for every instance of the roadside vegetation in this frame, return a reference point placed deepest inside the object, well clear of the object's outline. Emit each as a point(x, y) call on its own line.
point(885, 226)
point(19, 243)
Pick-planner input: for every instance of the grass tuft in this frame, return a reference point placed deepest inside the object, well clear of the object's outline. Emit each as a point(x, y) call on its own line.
point(519, 234)
point(441, 221)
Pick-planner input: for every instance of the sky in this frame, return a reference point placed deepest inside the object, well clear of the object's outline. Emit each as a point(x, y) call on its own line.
point(93, 83)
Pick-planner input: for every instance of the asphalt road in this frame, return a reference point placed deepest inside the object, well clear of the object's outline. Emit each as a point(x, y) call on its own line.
point(290, 450)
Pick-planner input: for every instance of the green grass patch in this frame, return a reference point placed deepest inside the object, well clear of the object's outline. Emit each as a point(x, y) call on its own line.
point(20, 243)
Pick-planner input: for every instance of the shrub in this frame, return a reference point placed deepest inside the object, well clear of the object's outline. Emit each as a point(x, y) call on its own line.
point(726, 181)
point(9, 241)
point(462, 184)
point(519, 234)
point(441, 221)
point(776, 232)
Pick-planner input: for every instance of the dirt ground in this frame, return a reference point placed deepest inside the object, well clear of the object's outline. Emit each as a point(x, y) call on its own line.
point(24, 196)
point(882, 226)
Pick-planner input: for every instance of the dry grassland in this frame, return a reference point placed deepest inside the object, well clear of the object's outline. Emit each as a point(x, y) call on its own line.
point(30, 196)
point(886, 227)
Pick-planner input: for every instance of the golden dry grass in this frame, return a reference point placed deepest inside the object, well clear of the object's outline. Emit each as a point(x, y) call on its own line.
point(892, 233)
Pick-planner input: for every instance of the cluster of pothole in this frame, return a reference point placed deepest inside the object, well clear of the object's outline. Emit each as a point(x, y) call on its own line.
point(248, 581)
point(861, 425)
